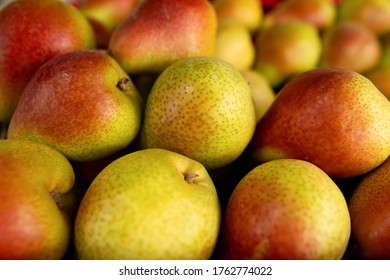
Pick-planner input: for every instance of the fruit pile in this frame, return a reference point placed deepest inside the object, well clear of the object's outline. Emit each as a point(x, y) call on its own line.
point(175, 129)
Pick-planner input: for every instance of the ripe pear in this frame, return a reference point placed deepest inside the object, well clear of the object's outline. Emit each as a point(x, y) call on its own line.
point(36, 203)
point(81, 103)
point(286, 209)
point(247, 12)
point(375, 14)
point(320, 13)
point(262, 93)
point(351, 45)
point(370, 213)
point(287, 49)
point(334, 118)
point(234, 44)
point(380, 77)
point(201, 107)
point(158, 33)
point(32, 32)
point(168, 207)
point(105, 16)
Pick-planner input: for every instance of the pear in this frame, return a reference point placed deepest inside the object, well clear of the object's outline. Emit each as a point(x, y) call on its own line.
point(81, 103)
point(36, 219)
point(262, 93)
point(320, 13)
point(286, 209)
point(370, 213)
point(200, 107)
point(168, 207)
point(345, 42)
point(334, 118)
point(380, 77)
point(375, 14)
point(105, 16)
point(247, 12)
point(32, 32)
point(285, 50)
point(158, 33)
point(234, 44)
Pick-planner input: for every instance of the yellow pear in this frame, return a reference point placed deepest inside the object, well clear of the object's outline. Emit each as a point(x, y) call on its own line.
point(234, 44)
point(149, 204)
point(201, 107)
point(262, 92)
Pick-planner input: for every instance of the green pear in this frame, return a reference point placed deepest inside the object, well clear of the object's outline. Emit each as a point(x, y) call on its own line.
point(262, 93)
point(149, 204)
point(160, 32)
point(235, 44)
point(370, 213)
point(287, 49)
point(320, 13)
point(201, 107)
point(334, 118)
point(247, 12)
point(36, 202)
point(286, 209)
point(351, 45)
point(32, 32)
point(375, 14)
point(105, 16)
point(81, 103)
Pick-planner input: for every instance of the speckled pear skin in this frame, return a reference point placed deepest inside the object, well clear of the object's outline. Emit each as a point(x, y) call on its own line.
point(201, 107)
point(32, 32)
point(369, 210)
point(32, 226)
point(286, 209)
point(149, 204)
point(157, 33)
point(336, 119)
point(76, 104)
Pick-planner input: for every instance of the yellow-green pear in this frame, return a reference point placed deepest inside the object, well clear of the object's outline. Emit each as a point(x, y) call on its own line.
point(287, 49)
point(234, 44)
point(375, 14)
point(36, 203)
point(380, 77)
point(286, 209)
point(200, 107)
point(247, 12)
point(262, 93)
point(149, 204)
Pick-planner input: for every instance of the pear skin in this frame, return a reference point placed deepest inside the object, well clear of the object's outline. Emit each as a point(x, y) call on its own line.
point(375, 14)
point(201, 107)
point(351, 45)
point(32, 32)
point(320, 13)
point(286, 209)
point(369, 210)
point(34, 179)
point(158, 33)
point(334, 118)
point(380, 77)
point(94, 108)
point(247, 12)
point(285, 50)
point(168, 207)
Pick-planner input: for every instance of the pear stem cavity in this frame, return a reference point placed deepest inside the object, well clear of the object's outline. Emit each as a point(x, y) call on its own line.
point(3, 131)
point(190, 177)
point(123, 84)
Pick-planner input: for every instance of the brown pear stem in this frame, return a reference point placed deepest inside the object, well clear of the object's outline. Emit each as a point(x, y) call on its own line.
point(3, 131)
point(123, 84)
point(190, 177)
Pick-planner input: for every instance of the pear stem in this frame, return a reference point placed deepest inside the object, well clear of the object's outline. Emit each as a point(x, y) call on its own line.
point(190, 177)
point(123, 84)
point(3, 131)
